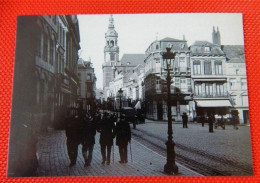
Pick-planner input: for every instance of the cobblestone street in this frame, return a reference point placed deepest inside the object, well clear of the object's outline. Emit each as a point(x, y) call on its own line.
point(53, 160)
point(229, 145)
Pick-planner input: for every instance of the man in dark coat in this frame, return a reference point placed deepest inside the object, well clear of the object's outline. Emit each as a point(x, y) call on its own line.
point(185, 120)
point(123, 137)
point(73, 133)
point(235, 119)
point(211, 120)
point(88, 137)
point(106, 129)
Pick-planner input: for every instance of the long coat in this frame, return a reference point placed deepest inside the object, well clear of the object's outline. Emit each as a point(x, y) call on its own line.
point(184, 118)
point(123, 133)
point(73, 129)
point(89, 132)
point(106, 129)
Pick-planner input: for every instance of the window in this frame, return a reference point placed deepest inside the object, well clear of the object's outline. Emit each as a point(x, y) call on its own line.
point(220, 89)
point(39, 45)
point(112, 57)
point(244, 100)
point(232, 82)
point(157, 47)
point(207, 49)
point(207, 68)
point(169, 45)
point(208, 89)
point(237, 71)
point(182, 62)
point(196, 68)
point(218, 68)
point(88, 77)
point(54, 19)
point(51, 52)
point(198, 89)
point(189, 84)
point(45, 48)
point(183, 80)
point(243, 84)
point(112, 43)
point(63, 37)
point(233, 99)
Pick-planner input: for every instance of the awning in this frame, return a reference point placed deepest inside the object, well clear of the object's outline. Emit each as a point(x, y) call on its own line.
point(213, 103)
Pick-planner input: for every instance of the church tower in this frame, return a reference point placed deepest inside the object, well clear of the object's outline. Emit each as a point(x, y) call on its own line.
point(111, 54)
point(216, 36)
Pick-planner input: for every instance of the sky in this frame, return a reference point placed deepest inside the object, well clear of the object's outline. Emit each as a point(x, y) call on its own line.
point(137, 31)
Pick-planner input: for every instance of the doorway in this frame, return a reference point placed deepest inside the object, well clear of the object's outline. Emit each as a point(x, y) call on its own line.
point(246, 116)
point(159, 111)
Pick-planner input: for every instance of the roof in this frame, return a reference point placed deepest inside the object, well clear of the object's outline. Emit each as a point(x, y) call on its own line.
point(198, 48)
point(234, 51)
point(236, 60)
point(170, 39)
point(202, 43)
point(132, 59)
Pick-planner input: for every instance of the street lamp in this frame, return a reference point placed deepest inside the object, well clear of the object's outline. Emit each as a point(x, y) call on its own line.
point(170, 167)
point(120, 95)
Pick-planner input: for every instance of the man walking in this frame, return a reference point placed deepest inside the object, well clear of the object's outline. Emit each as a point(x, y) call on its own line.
point(123, 137)
point(106, 129)
point(211, 120)
point(185, 120)
point(89, 133)
point(73, 133)
point(235, 119)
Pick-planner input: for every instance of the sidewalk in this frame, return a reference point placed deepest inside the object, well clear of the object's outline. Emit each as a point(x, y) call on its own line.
point(53, 160)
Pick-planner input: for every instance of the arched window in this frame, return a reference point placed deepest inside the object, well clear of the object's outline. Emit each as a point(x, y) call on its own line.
point(112, 43)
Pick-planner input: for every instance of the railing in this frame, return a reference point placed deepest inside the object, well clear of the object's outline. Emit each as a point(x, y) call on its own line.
point(213, 95)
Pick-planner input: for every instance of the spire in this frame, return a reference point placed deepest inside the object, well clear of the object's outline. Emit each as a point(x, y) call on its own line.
point(184, 39)
point(111, 22)
point(216, 36)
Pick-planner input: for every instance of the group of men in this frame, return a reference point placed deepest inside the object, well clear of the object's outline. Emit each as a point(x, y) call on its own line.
point(81, 129)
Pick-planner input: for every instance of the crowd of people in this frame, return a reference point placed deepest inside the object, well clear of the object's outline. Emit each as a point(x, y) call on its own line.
point(81, 128)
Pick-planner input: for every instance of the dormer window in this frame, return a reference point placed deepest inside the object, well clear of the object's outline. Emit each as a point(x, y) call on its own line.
point(207, 49)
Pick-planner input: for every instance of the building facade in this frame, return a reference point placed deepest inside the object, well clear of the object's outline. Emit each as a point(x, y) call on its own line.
point(209, 78)
point(45, 80)
point(87, 85)
point(237, 81)
point(155, 80)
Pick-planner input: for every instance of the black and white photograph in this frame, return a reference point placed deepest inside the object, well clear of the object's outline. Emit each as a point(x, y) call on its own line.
point(130, 95)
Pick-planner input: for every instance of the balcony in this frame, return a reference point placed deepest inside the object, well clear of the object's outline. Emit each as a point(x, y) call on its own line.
point(213, 95)
point(182, 70)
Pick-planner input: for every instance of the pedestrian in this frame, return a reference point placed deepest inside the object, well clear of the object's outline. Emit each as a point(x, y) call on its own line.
point(73, 133)
point(202, 120)
point(185, 120)
point(211, 120)
point(106, 128)
point(235, 119)
point(89, 133)
point(123, 137)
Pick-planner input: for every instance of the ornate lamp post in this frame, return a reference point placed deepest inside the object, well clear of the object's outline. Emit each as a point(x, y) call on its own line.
point(120, 95)
point(170, 167)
